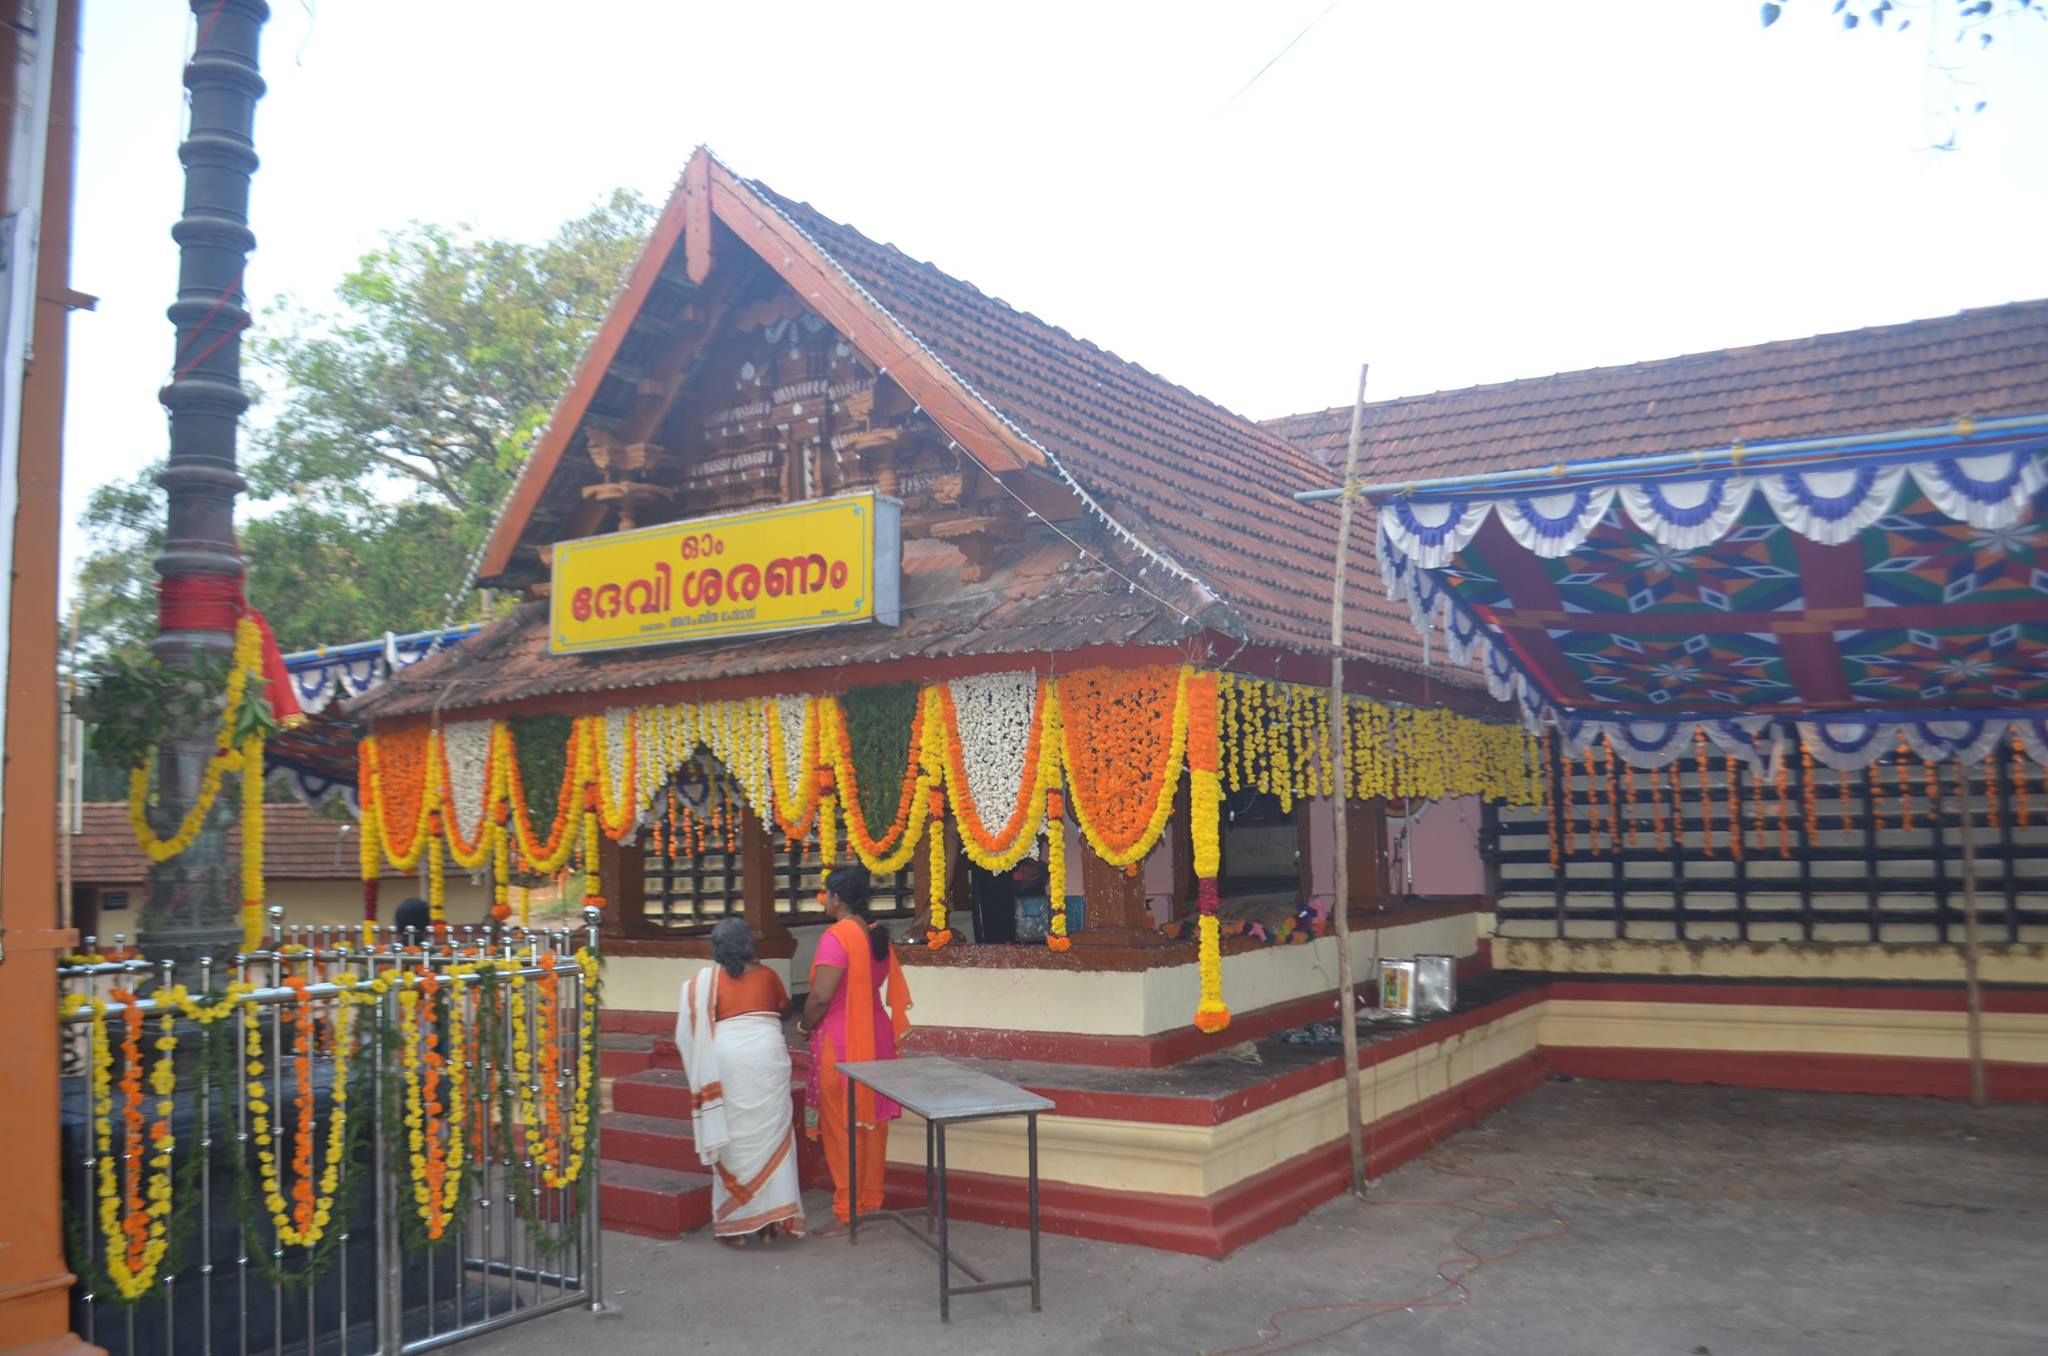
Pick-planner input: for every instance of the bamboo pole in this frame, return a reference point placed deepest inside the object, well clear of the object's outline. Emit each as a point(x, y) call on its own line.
point(1340, 906)
point(1972, 997)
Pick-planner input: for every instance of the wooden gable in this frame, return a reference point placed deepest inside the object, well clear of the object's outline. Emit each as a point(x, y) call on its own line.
point(737, 369)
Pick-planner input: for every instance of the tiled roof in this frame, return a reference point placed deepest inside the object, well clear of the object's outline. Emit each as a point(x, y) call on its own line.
point(1044, 602)
point(297, 845)
point(1981, 364)
point(1207, 487)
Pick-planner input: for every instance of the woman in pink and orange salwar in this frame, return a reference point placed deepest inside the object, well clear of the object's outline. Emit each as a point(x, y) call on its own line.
point(852, 973)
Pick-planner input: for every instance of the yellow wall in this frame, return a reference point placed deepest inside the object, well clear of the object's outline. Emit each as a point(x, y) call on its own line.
point(2025, 963)
point(340, 902)
point(2018, 1037)
point(1188, 1160)
point(1200, 1160)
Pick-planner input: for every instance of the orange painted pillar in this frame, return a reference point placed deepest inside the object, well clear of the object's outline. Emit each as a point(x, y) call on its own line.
point(34, 1279)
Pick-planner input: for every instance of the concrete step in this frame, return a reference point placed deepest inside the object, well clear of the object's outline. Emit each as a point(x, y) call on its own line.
point(635, 1198)
point(654, 1092)
point(654, 1141)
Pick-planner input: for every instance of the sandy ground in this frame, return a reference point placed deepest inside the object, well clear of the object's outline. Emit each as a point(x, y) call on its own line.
point(1693, 1221)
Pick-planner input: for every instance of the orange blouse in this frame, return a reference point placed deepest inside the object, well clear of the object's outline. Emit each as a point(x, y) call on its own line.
point(758, 990)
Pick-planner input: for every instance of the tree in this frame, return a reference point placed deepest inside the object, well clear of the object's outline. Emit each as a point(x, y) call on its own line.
point(394, 426)
point(1967, 24)
point(444, 363)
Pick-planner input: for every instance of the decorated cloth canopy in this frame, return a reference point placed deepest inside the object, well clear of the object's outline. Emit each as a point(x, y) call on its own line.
point(317, 760)
point(1848, 599)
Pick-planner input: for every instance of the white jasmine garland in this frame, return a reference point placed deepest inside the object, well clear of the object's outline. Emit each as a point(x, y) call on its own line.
point(468, 747)
point(993, 721)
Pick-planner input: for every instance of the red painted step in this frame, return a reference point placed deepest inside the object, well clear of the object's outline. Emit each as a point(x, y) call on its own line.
point(654, 1092)
point(655, 1141)
point(620, 1054)
point(653, 1202)
point(666, 1056)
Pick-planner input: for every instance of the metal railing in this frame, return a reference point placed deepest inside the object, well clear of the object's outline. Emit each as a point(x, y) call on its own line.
point(333, 1149)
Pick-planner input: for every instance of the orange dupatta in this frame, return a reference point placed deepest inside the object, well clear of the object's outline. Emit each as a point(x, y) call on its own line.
point(860, 1017)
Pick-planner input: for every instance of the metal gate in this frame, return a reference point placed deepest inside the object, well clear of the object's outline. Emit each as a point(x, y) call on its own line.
point(328, 1149)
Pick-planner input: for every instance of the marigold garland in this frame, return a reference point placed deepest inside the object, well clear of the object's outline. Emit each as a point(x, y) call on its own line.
point(303, 1222)
point(2022, 814)
point(793, 792)
point(1000, 848)
point(937, 934)
point(890, 850)
point(247, 665)
point(434, 1128)
point(545, 856)
point(1700, 760)
point(134, 1204)
point(1123, 732)
point(560, 1157)
point(1205, 813)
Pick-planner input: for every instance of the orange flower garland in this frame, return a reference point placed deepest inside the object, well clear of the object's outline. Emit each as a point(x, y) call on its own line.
point(2020, 810)
point(1905, 788)
point(401, 792)
point(1205, 814)
point(1124, 731)
point(1784, 810)
point(1807, 794)
point(1738, 839)
point(1699, 746)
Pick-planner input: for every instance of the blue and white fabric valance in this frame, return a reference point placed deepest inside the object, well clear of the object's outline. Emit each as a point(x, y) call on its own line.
point(1827, 505)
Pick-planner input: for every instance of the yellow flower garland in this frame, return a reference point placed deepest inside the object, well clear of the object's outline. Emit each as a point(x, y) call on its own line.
point(436, 1209)
point(133, 1281)
point(248, 663)
point(556, 1169)
point(252, 843)
point(270, 1181)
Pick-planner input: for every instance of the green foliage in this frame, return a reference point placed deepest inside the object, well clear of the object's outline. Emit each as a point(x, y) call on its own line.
point(443, 364)
point(878, 721)
point(541, 744)
point(134, 703)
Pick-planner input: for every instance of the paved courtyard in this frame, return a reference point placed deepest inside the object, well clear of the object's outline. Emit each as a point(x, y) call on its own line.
point(1650, 1220)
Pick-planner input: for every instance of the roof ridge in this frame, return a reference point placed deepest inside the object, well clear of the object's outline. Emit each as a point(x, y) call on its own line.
point(774, 201)
point(1278, 444)
point(1765, 346)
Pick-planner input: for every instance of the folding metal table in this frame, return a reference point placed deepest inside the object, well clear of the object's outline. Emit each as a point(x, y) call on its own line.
point(944, 1093)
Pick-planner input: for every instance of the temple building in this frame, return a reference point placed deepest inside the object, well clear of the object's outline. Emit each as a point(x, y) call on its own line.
point(828, 556)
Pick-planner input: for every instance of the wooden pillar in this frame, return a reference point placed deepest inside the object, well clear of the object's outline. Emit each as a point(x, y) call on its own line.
point(758, 883)
point(1365, 848)
point(1115, 899)
point(622, 880)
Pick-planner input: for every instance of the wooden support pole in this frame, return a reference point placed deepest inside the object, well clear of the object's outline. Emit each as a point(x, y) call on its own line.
point(1972, 997)
point(1340, 909)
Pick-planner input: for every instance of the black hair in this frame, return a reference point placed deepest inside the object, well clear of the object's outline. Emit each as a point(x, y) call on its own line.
point(413, 918)
point(852, 885)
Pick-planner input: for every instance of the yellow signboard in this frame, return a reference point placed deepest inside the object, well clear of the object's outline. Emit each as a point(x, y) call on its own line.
point(822, 562)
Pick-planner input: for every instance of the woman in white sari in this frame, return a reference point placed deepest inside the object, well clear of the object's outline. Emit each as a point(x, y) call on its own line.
point(729, 1030)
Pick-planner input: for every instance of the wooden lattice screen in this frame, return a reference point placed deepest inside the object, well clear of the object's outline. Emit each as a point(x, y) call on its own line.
point(1833, 856)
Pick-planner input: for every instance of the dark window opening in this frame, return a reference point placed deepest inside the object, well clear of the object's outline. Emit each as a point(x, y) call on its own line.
point(1262, 848)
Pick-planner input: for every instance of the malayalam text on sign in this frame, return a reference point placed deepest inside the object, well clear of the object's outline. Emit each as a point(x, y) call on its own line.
point(821, 562)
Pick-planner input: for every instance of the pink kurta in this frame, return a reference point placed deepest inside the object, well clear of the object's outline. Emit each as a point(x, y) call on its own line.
point(832, 1027)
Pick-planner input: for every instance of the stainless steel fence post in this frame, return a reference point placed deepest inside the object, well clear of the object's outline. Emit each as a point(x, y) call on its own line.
point(593, 1193)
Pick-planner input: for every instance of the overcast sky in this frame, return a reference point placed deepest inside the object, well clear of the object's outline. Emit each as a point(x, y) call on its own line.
point(1458, 192)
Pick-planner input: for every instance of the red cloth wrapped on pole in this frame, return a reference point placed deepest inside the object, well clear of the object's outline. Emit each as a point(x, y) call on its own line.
point(284, 699)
